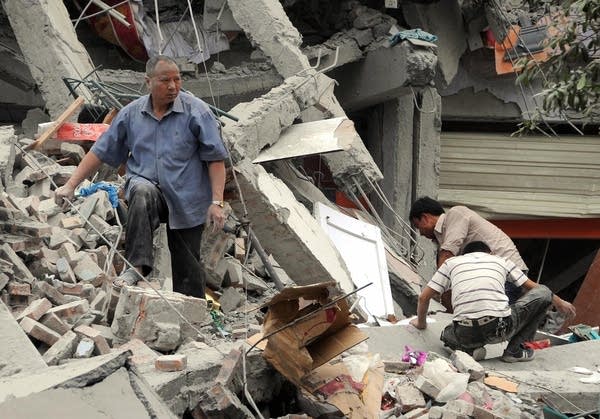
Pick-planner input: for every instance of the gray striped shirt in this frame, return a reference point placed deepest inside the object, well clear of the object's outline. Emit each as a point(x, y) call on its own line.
point(477, 283)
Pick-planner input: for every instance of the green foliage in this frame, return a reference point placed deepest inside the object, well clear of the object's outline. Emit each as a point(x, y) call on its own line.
point(571, 77)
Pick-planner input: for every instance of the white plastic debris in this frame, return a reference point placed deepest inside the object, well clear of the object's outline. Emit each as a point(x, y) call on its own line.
point(592, 379)
point(581, 370)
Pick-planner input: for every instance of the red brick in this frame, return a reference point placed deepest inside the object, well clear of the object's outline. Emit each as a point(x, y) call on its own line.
point(142, 353)
point(71, 310)
point(39, 331)
point(36, 309)
point(72, 222)
point(17, 288)
point(177, 362)
point(54, 322)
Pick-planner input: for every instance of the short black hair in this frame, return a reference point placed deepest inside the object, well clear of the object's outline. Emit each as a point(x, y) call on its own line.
point(153, 61)
point(425, 205)
point(476, 246)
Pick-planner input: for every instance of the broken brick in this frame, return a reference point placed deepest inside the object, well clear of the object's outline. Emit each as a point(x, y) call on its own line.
point(167, 363)
point(71, 311)
point(96, 336)
point(17, 288)
point(55, 323)
point(36, 309)
point(39, 331)
point(72, 222)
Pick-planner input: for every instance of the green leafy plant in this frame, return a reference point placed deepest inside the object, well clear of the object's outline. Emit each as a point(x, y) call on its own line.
point(570, 78)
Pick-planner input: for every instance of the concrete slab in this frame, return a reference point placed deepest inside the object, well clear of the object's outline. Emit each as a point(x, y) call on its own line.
point(288, 231)
point(370, 81)
point(17, 353)
point(389, 341)
point(60, 55)
point(73, 374)
point(94, 402)
point(547, 376)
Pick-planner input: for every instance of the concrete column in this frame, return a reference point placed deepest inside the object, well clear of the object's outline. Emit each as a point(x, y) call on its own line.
point(50, 46)
point(427, 125)
point(397, 158)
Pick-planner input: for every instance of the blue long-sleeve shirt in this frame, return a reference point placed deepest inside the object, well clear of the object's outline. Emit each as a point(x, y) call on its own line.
point(172, 152)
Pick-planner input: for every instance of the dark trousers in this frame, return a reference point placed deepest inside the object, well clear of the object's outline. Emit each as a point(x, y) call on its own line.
point(527, 314)
point(147, 209)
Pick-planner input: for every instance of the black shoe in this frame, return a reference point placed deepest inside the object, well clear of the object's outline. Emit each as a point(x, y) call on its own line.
point(524, 355)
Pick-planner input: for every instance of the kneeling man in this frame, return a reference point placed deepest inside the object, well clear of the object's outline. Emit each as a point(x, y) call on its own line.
point(482, 314)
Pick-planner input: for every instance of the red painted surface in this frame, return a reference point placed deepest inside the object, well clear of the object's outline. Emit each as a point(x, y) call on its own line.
point(586, 302)
point(557, 228)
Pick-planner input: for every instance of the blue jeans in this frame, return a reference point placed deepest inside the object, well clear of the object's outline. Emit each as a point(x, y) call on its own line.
point(527, 313)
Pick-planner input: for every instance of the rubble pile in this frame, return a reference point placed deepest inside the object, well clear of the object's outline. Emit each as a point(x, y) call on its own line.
point(438, 387)
point(58, 266)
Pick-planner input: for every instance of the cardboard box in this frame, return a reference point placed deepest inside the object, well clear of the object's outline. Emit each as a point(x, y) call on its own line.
point(304, 335)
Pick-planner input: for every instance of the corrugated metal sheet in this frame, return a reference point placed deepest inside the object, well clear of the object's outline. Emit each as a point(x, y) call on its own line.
point(516, 177)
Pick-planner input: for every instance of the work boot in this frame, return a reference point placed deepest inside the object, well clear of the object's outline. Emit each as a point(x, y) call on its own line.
point(129, 277)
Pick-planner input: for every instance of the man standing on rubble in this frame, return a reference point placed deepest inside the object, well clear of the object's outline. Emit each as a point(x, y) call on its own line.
point(174, 154)
point(482, 314)
point(452, 230)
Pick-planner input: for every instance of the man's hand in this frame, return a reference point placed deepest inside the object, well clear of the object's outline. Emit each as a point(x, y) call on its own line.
point(565, 307)
point(215, 217)
point(415, 322)
point(64, 195)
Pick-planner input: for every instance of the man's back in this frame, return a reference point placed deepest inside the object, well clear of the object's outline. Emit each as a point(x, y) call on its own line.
point(477, 283)
point(461, 225)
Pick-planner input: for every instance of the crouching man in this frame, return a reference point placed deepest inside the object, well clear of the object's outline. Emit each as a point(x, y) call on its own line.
point(482, 314)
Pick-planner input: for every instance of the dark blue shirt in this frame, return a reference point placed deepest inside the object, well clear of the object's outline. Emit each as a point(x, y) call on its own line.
point(172, 153)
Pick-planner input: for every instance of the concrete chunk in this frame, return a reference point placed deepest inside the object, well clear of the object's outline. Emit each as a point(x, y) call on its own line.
point(427, 386)
point(409, 397)
point(465, 363)
point(295, 238)
point(86, 270)
point(230, 300)
point(62, 349)
point(85, 348)
point(17, 353)
point(20, 270)
point(141, 313)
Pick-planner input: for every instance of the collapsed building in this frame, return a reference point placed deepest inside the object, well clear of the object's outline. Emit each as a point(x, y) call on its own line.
point(277, 72)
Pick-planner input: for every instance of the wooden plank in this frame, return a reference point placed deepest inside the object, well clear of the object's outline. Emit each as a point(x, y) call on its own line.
point(110, 116)
point(59, 121)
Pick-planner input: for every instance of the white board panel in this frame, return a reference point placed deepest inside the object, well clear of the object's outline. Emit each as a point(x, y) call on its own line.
point(361, 246)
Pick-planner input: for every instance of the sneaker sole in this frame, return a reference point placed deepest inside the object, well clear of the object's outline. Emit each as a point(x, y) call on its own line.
point(512, 359)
